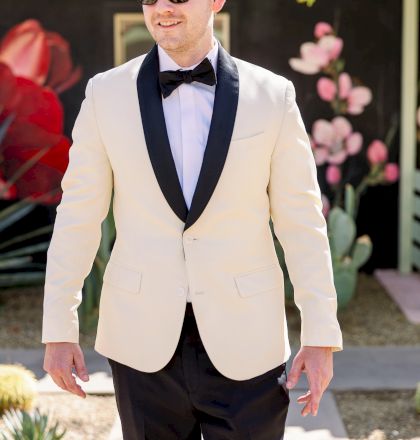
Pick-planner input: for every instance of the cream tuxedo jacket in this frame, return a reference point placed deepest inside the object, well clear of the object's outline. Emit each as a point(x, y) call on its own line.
point(258, 163)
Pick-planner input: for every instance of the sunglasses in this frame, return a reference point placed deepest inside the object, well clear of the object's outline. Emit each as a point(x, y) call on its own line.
point(152, 2)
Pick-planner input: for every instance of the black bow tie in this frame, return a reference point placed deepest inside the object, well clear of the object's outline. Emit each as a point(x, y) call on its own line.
point(169, 80)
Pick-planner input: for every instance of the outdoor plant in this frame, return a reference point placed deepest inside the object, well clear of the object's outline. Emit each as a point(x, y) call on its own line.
point(307, 2)
point(17, 387)
point(348, 253)
point(417, 398)
point(35, 66)
point(23, 425)
point(334, 144)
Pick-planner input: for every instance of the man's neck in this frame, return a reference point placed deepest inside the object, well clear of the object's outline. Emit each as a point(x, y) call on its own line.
point(194, 56)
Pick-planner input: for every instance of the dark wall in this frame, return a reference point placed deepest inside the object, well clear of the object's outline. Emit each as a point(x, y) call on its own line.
point(268, 33)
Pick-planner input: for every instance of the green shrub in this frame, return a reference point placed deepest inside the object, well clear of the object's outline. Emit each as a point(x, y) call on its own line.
point(22, 425)
point(417, 398)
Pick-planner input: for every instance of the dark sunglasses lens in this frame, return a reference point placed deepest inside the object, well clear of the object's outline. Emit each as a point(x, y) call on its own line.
point(152, 2)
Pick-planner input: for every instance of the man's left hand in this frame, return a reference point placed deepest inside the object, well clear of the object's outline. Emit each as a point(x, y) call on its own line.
point(317, 363)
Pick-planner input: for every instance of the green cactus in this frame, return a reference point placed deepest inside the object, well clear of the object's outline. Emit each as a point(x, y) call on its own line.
point(362, 250)
point(342, 232)
point(348, 254)
point(24, 425)
point(17, 387)
point(417, 398)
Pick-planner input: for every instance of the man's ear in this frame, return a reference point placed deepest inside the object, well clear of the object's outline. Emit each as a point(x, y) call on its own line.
point(218, 5)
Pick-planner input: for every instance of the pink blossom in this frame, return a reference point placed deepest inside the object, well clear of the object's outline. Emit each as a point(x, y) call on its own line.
point(391, 172)
point(335, 140)
point(327, 90)
point(315, 56)
point(357, 97)
point(333, 174)
point(325, 205)
point(377, 152)
point(322, 28)
point(344, 85)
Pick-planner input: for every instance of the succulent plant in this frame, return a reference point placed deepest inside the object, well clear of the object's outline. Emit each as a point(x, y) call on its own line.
point(17, 387)
point(23, 425)
point(348, 253)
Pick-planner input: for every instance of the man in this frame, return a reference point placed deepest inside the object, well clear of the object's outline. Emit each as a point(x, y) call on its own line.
point(192, 317)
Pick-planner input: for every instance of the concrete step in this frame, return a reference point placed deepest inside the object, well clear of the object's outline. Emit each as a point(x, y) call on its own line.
point(364, 368)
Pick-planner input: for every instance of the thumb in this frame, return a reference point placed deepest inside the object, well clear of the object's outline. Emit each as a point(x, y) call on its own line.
point(80, 365)
point(294, 374)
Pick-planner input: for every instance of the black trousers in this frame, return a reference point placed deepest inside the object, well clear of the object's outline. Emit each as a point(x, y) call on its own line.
point(189, 397)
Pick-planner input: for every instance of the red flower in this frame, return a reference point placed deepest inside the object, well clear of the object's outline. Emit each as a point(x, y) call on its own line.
point(43, 57)
point(36, 130)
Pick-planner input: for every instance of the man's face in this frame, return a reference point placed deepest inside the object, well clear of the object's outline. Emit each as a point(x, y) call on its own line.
point(193, 22)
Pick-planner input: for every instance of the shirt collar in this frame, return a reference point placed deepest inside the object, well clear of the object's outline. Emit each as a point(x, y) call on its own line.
point(167, 63)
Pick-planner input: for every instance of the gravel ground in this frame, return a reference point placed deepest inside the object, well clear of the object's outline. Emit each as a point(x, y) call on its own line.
point(88, 419)
point(372, 318)
point(379, 415)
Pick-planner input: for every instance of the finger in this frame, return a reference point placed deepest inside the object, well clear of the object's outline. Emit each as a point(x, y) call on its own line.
point(59, 382)
point(307, 408)
point(304, 398)
point(80, 365)
point(294, 373)
point(316, 393)
point(71, 384)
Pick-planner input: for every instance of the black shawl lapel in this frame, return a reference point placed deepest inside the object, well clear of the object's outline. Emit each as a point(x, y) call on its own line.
point(220, 133)
point(156, 136)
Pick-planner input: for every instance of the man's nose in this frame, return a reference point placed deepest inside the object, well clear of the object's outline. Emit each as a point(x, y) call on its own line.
point(164, 5)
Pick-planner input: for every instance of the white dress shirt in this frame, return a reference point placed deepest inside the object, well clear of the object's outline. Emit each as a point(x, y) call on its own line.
point(188, 111)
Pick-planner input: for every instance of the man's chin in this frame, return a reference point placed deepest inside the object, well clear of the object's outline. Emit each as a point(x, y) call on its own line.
point(172, 44)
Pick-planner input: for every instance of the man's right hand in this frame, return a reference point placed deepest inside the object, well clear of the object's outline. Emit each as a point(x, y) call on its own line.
point(60, 358)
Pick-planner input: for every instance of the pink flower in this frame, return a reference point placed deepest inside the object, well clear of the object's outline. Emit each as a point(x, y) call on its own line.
point(43, 57)
point(357, 97)
point(315, 56)
point(335, 140)
point(327, 90)
point(333, 174)
point(322, 28)
point(25, 50)
point(391, 172)
point(377, 152)
point(325, 205)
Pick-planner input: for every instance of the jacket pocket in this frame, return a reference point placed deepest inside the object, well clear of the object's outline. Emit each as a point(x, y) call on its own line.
point(259, 280)
point(122, 277)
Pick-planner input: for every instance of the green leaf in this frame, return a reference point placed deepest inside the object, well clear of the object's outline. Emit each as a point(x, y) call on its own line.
point(342, 232)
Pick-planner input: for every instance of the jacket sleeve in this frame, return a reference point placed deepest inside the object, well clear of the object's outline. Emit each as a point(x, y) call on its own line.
point(300, 226)
point(87, 188)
